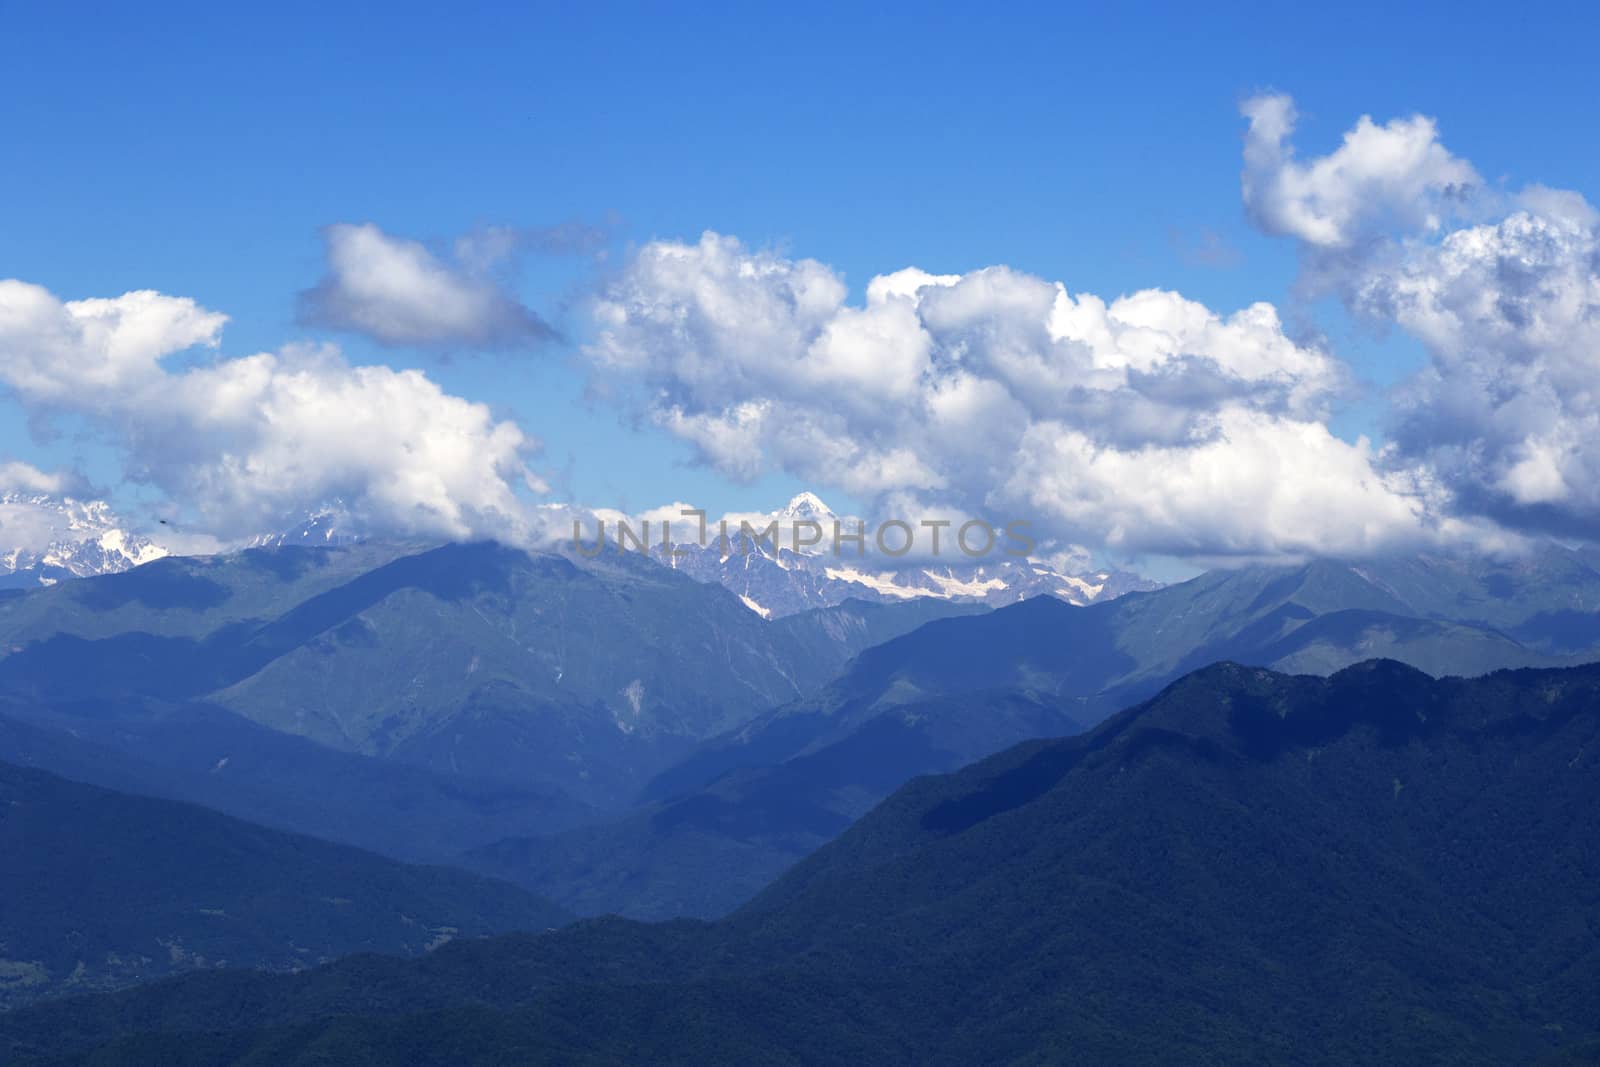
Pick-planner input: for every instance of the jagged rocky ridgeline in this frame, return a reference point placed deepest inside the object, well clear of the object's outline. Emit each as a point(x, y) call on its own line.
point(773, 580)
point(45, 538)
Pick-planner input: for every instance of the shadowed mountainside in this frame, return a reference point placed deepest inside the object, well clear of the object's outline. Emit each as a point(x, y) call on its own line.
point(1371, 868)
point(101, 889)
point(472, 662)
point(748, 804)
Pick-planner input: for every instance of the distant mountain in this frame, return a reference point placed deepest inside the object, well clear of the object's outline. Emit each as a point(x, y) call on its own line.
point(205, 755)
point(513, 697)
point(704, 852)
point(759, 798)
point(46, 538)
point(1441, 616)
point(774, 580)
point(321, 528)
point(475, 661)
point(101, 889)
point(1373, 868)
point(187, 596)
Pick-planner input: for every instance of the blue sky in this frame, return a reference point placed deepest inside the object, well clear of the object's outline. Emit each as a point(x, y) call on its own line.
point(199, 151)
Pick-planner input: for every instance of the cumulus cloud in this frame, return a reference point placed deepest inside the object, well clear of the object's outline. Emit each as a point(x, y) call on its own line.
point(399, 293)
point(21, 478)
point(100, 348)
point(1505, 418)
point(1147, 423)
point(1263, 486)
point(1507, 413)
point(1378, 176)
point(242, 441)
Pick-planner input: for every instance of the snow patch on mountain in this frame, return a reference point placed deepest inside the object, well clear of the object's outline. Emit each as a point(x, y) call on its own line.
point(773, 580)
point(323, 528)
point(883, 584)
point(952, 586)
point(1083, 588)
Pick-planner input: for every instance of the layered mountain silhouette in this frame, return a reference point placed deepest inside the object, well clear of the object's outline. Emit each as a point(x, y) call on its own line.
point(620, 738)
point(1376, 867)
point(205, 755)
point(755, 800)
point(474, 662)
point(103, 889)
point(1441, 616)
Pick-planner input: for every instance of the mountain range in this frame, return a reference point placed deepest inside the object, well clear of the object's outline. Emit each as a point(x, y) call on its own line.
point(1251, 867)
point(45, 538)
point(748, 804)
point(773, 579)
point(612, 735)
point(517, 672)
point(618, 737)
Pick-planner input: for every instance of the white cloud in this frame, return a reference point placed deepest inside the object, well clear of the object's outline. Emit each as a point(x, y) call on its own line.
point(19, 477)
point(1264, 485)
point(399, 293)
point(1397, 172)
point(1504, 421)
point(88, 352)
point(244, 441)
point(1148, 423)
point(1508, 411)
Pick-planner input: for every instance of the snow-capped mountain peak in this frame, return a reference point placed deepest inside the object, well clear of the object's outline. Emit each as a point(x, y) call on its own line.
point(44, 538)
point(773, 579)
point(805, 507)
point(326, 526)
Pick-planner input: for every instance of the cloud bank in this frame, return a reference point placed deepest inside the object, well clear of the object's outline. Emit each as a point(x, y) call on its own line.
point(1138, 423)
point(1502, 289)
point(24, 479)
point(243, 441)
point(1147, 423)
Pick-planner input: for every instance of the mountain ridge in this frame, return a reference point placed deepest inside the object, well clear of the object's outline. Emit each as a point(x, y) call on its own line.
point(105, 888)
point(1250, 867)
point(957, 689)
point(465, 660)
point(774, 578)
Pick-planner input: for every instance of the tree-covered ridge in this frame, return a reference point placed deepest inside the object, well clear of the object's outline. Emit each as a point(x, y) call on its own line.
point(103, 889)
point(1376, 867)
point(727, 819)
